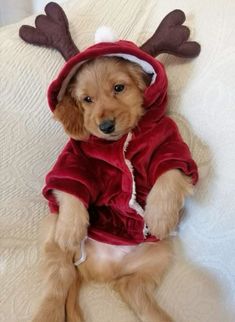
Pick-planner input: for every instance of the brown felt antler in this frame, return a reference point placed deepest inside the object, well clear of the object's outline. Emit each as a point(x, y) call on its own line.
point(171, 37)
point(52, 30)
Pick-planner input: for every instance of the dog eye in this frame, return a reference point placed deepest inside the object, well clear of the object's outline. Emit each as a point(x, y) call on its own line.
point(119, 88)
point(87, 99)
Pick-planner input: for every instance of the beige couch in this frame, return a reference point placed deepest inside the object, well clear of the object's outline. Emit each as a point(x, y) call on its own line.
point(201, 285)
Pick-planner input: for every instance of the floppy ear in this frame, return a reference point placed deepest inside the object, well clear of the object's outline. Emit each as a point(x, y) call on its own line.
point(141, 79)
point(70, 114)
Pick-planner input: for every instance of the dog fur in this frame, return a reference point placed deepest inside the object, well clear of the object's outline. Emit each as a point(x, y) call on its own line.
point(133, 271)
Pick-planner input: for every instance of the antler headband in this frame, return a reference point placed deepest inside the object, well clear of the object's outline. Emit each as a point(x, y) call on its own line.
point(52, 30)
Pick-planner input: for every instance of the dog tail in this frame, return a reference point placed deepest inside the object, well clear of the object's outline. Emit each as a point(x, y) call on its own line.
point(73, 310)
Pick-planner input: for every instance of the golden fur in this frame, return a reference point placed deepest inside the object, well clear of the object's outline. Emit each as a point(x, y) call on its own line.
point(97, 79)
point(134, 272)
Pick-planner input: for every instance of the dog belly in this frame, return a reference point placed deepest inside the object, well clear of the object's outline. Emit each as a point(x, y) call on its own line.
point(102, 262)
point(106, 252)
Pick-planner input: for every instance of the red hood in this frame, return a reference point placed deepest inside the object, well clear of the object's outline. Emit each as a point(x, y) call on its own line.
point(154, 94)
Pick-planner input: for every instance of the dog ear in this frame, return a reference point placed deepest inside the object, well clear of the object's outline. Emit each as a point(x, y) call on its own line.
point(70, 114)
point(141, 79)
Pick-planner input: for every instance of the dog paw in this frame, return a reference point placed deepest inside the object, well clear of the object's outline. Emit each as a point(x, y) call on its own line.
point(68, 237)
point(165, 202)
point(49, 312)
point(75, 317)
point(161, 224)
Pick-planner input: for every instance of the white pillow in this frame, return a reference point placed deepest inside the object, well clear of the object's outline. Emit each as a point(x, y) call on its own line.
point(200, 287)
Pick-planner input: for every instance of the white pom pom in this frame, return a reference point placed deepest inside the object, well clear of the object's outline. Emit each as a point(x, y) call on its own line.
point(105, 34)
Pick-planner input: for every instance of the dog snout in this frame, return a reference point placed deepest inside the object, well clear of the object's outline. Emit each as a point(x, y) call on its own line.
point(107, 126)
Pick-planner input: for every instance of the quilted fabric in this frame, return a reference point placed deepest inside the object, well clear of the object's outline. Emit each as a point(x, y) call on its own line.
point(201, 285)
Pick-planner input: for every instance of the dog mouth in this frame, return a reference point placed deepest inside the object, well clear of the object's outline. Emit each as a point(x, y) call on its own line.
point(111, 137)
point(117, 135)
point(114, 137)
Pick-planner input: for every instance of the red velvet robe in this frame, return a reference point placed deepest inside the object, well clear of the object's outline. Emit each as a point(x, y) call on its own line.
point(113, 178)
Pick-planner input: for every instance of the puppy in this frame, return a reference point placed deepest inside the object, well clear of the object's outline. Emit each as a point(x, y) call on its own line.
point(105, 100)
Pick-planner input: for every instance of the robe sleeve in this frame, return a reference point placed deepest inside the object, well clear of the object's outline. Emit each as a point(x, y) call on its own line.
point(70, 174)
point(172, 153)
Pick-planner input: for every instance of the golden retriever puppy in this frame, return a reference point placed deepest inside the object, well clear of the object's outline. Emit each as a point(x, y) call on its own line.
point(105, 100)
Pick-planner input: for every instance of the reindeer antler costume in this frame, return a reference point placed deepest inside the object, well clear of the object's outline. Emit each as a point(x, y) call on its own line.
point(113, 178)
point(52, 30)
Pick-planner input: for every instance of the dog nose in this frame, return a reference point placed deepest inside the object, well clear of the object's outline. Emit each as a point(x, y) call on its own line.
point(107, 126)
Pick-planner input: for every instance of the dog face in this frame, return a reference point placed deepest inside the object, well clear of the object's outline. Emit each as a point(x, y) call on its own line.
point(104, 99)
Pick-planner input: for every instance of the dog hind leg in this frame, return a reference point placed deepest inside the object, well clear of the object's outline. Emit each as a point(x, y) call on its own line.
point(73, 310)
point(137, 292)
point(142, 271)
point(59, 273)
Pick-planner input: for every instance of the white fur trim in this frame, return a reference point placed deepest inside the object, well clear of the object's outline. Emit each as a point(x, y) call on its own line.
point(133, 202)
point(145, 230)
point(105, 34)
point(145, 65)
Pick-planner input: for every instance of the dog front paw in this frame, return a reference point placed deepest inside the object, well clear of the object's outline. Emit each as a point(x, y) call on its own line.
point(68, 237)
point(161, 224)
point(165, 202)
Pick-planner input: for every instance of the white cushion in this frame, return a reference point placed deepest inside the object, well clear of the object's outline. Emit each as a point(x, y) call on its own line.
point(200, 287)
